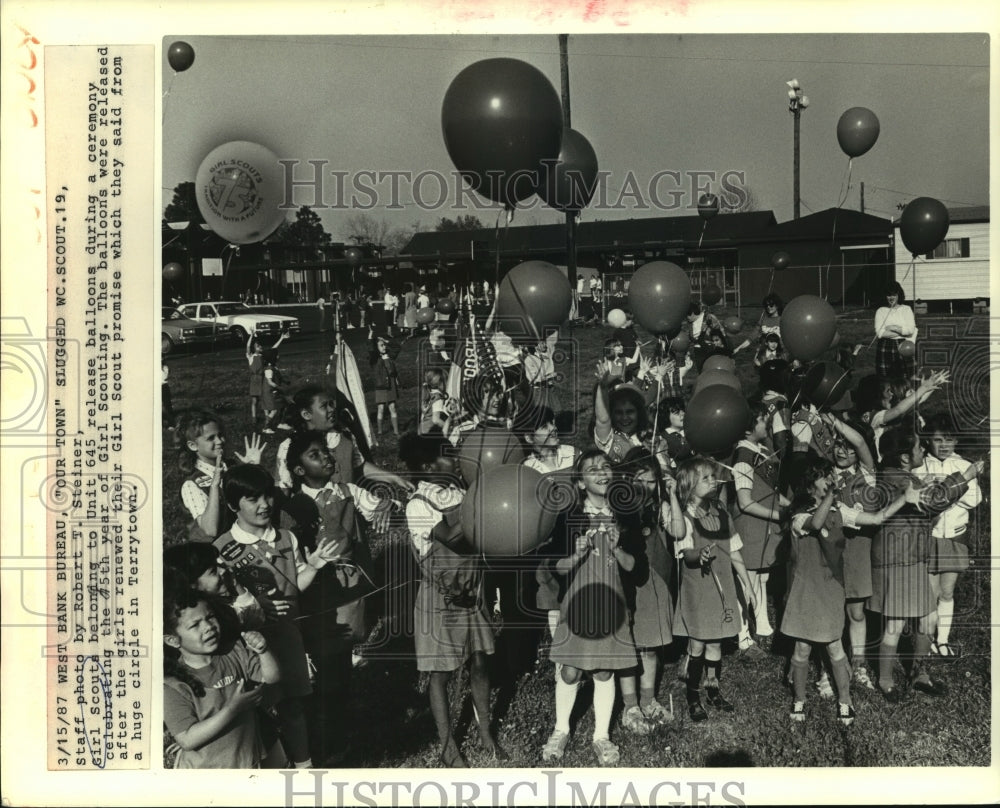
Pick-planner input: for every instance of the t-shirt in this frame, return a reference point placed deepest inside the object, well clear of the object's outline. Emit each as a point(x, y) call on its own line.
point(240, 746)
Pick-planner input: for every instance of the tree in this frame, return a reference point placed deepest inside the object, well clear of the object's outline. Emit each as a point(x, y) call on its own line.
point(467, 222)
point(363, 228)
point(306, 231)
point(184, 206)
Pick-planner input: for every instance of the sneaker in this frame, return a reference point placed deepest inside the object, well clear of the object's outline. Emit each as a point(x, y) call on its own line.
point(932, 687)
point(845, 714)
point(697, 711)
point(634, 721)
point(798, 712)
point(657, 713)
point(824, 687)
point(862, 678)
point(555, 746)
point(607, 752)
point(942, 649)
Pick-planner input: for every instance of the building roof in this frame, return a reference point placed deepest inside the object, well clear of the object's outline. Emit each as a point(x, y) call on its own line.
point(844, 223)
point(970, 213)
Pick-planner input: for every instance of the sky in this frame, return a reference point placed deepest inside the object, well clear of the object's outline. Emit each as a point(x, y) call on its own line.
point(647, 103)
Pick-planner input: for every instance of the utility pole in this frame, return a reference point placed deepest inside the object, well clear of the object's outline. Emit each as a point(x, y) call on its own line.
point(797, 101)
point(862, 197)
point(571, 269)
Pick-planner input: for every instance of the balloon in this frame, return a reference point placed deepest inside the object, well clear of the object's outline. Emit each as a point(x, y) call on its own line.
point(239, 186)
point(617, 318)
point(825, 384)
point(172, 271)
point(534, 294)
point(923, 225)
point(708, 206)
point(488, 447)
point(445, 305)
point(780, 260)
point(733, 325)
point(711, 294)
point(659, 296)
point(808, 324)
point(716, 376)
point(180, 56)
point(353, 255)
point(500, 119)
point(568, 183)
point(715, 419)
point(857, 131)
point(681, 342)
point(719, 362)
point(425, 315)
point(907, 348)
point(507, 511)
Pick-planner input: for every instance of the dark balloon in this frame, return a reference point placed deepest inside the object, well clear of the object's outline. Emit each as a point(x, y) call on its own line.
point(681, 342)
point(907, 349)
point(923, 225)
point(425, 315)
point(569, 182)
point(708, 206)
point(716, 375)
point(504, 512)
point(719, 362)
point(172, 271)
point(780, 260)
point(180, 56)
point(808, 324)
point(485, 448)
point(857, 131)
point(533, 295)
point(711, 294)
point(733, 325)
point(445, 305)
point(501, 118)
point(353, 255)
point(716, 419)
point(825, 384)
point(659, 295)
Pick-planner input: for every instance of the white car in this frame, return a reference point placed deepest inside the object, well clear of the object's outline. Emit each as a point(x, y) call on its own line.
point(239, 319)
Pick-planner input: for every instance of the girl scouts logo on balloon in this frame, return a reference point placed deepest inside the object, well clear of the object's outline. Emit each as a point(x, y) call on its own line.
point(240, 187)
point(232, 191)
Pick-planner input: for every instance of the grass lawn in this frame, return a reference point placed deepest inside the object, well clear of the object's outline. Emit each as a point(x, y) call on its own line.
point(392, 725)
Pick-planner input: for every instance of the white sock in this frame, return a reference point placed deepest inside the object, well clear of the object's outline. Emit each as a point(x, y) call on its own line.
point(604, 703)
point(945, 610)
point(565, 699)
point(304, 764)
point(745, 638)
point(759, 581)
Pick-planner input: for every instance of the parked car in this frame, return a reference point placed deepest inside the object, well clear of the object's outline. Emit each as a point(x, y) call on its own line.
point(176, 329)
point(239, 319)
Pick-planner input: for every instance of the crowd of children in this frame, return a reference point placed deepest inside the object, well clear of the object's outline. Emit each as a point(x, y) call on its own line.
point(827, 520)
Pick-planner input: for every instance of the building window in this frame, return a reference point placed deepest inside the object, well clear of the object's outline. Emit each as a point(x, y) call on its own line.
point(951, 248)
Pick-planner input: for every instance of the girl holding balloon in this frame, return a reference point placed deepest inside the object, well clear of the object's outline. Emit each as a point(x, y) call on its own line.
point(895, 331)
point(593, 575)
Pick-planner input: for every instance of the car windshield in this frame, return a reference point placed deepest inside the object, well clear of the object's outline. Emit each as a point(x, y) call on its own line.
point(231, 308)
point(167, 313)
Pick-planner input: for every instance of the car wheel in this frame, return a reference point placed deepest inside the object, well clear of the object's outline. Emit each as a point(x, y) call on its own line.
point(239, 333)
point(166, 344)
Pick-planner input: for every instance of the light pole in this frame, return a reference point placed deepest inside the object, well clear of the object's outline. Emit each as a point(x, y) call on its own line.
point(797, 101)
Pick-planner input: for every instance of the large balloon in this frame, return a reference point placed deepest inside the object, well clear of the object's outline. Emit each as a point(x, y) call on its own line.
point(445, 305)
point(733, 325)
point(180, 55)
point(857, 131)
point(659, 296)
point(534, 294)
point(172, 271)
point(353, 255)
point(617, 318)
point(239, 187)
point(719, 362)
point(780, 260)
point(825, 383)
point(716, 419)
point(681, 342)
point(568, 183)
point(923, 225)
point(711, 294)
point(907, 348)
point(716, 376)
point(501, 118)
point(507, 511)
point(808, 324)
point(425, 315)
point(488, 447)
point(708, 206)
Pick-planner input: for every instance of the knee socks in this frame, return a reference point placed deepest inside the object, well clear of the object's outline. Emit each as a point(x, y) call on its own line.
point(604, 702)
point(696, 664)
point(800, 675)
point(565, 699)
point(842, 677)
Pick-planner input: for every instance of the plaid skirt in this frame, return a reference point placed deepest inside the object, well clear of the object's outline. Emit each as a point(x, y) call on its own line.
point(888, 362)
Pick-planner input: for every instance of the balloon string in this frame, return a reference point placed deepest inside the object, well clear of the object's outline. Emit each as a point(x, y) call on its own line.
point(907, 273)
point(841, 199)
point(703, 226)
point(496, 239)
point(166, 96)
point(770, 284)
